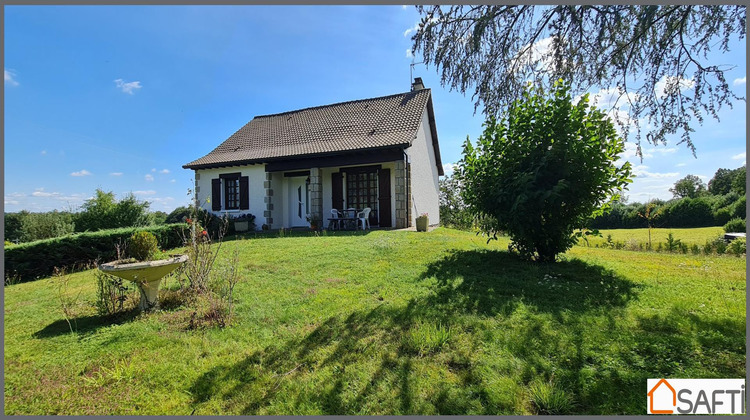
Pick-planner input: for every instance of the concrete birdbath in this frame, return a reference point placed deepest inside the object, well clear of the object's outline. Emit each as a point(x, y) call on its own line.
point(147, 275)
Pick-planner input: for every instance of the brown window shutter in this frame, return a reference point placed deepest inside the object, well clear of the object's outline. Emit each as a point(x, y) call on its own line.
point(216, 194)
point(384, 197)
point(337, 193)
point(244, 193)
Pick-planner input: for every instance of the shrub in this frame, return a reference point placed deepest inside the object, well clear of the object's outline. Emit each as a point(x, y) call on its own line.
point(543, 170)
point(722, 216)
point(735, 225)
point(688, 212)
point(719, 245)
point(737, 247)
point(672, 244)
point(179, 215)
point(739, 209)
point(35, 259)
point(143, 245)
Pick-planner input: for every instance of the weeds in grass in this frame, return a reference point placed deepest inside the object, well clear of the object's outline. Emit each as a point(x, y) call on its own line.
point(122, 371)
point(426, 338)
point(111, 293)
point(550, 398)
point(67, 300)
point(11, 279)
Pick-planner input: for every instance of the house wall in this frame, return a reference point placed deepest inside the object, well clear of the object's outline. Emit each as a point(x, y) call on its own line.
point(256, 175)
point(424, 187)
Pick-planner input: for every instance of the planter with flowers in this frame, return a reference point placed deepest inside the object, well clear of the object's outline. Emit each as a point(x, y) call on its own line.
point(422, 221)
point(243, 222)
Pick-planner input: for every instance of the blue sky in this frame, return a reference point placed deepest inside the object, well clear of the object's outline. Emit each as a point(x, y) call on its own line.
point(120, 97)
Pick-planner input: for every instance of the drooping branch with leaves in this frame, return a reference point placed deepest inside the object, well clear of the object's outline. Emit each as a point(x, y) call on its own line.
point(652, 60)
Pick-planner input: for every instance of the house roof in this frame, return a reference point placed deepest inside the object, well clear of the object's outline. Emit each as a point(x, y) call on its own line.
point(366, 124)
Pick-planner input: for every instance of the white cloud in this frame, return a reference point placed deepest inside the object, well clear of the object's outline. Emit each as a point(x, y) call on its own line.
point(681, 164)
point(43, 152)
point(740, 81)
point(128, 87)
point(164, 171)
point(404, 7)
point(9, 78)
point(116, 173)
point(39, 192)
point(739, 156)
point(408, 53)
point(172, 181)
point(153, 169)
point(410, 30)
point(146, 192)
point(82, 172)
point(448, 168)
point(668, 85)
point(149, 177)
point(641, 172)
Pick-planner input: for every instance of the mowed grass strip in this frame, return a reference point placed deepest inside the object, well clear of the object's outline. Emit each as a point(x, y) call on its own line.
point(390, 323)
point(697, 236)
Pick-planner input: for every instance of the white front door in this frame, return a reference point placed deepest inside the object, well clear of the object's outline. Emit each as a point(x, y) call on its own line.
point(298, 208)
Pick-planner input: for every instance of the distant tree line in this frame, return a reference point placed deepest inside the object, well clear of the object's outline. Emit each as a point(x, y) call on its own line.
point(103, 211)
point(694, 204)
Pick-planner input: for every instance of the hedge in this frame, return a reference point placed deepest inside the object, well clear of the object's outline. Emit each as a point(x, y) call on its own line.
point(32, 260)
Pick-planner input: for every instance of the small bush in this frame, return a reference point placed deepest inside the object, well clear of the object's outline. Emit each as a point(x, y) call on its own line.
point(695, 249)
point(143, 245)
point(549, 398)
point(735, 225)
point(672, 244)
point(737, 247)
point(719, 245)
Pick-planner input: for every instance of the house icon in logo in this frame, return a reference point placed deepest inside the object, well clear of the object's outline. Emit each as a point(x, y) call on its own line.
point(652, 393)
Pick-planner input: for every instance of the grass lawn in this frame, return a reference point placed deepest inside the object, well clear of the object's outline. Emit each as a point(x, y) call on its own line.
point(391, 323)
point(697, 236)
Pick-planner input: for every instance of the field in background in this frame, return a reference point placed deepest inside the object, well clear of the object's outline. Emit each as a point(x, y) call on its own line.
point(697, 236)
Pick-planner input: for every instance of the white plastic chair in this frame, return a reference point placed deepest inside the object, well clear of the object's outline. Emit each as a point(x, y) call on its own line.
point(334, 221)
point(364, 217)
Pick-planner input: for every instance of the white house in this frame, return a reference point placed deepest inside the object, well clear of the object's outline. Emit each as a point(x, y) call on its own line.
point(380, 153)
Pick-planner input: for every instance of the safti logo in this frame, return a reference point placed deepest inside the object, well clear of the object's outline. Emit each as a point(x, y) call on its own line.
point(696, 396)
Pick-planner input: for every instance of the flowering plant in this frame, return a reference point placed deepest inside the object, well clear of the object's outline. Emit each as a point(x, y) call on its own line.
point(424, 215)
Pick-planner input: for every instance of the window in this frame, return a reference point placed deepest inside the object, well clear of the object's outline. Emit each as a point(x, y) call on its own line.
point(232, 193)
point(362, 190)
point(229, 192)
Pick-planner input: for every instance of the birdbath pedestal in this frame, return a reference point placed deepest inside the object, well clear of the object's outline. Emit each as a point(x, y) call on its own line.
point(147, 275)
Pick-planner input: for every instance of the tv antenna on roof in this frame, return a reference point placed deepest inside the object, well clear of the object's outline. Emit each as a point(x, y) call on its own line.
point(411, 69)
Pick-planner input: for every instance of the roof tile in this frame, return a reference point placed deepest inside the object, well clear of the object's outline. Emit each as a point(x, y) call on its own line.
point(363, 124)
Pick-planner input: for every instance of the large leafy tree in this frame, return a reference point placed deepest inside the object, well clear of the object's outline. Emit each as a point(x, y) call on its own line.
point(103, 211)
point(691, 186)
point(542, 170)
point(652, 59)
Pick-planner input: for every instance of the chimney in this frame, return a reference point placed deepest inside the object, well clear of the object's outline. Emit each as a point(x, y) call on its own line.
point(417, 85)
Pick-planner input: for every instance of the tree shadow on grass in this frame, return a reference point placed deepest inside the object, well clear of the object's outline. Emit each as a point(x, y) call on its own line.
point(572, 330)
point(85, 324)
point(332, 359)
point(490, 282)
